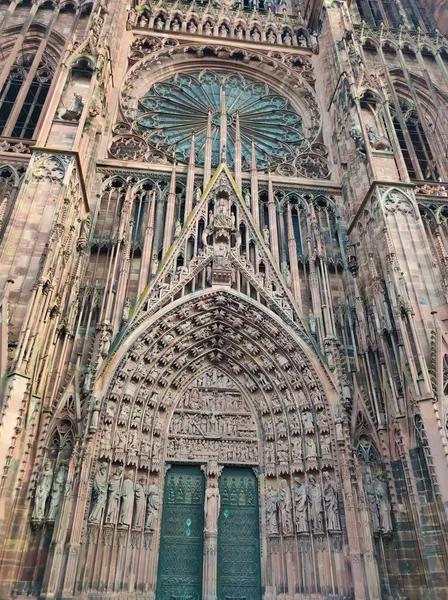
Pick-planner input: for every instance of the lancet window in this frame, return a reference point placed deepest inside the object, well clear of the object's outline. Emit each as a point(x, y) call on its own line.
point(415, 146)
point(31, 92)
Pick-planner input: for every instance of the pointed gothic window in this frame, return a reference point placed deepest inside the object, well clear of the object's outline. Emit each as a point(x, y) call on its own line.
point(32, 93)
point(415, 146)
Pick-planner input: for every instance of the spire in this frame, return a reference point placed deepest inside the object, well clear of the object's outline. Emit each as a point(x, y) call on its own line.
point(190, 181)
point(208, 151)
point(238, 152)
point(223, 128)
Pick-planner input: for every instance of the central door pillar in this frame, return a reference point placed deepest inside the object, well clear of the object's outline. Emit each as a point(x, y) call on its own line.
point(210, 581)
point(212, 506)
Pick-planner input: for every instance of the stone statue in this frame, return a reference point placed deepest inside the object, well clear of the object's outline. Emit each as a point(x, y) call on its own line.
point(43, 488)
point(152, 507)
point(300, 502)
point(127, 503)
point(212, 507)
point(310, 444)
point(87, 379)
point(57, 491)
point(126, 310)
point(315, 500)
point(285, 507)
point(271, 37)
point(140, 504)
point(372, 505)
point(377, 142)
point(287, 39)
point(198, 195)
point(271, 510)
point(247, 199)
point(255, 36)
point(177, 229)
point(113, 497)
point(106, 340)
point(73, 113)
point(356, 135)
point(266, 235)
point(384, 509)
point(99, 494)
point(331, 503)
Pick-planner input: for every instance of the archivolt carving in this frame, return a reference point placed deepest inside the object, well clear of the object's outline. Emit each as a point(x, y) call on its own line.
point(171, 382)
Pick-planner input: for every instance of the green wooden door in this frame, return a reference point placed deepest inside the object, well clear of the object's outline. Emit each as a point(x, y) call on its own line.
point(181, 543)
point(238, 536)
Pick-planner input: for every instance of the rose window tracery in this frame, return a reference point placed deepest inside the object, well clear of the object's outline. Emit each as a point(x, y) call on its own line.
point(174, 109)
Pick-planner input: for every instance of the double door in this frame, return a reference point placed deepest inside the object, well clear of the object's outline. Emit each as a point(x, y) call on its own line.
point(180, 572)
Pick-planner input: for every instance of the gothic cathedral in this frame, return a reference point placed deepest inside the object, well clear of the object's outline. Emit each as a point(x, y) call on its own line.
point(224, 299)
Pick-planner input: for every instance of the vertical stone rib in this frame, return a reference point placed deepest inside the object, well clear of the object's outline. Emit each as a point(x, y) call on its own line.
point(272, 220)
point(238, 175)
point(190, 182)
point(169, 221)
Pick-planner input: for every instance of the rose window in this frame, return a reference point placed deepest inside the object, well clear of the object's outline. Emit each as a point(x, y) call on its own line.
point(172, 110)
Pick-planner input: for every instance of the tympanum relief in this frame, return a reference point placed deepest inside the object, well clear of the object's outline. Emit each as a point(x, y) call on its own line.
point(213, 421)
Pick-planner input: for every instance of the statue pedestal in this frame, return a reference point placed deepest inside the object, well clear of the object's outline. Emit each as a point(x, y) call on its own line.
point(209, 582)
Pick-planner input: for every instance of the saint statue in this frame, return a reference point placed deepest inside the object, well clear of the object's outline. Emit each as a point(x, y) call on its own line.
point(140, 503)
point(212, 507)
point(271, 510)
point(315, 500)
point(43, 488)
point(57, 491)
point(331, 503)
point(300, 501)
point(113, 498)
point(152, 508)
point(285, 507)
point(372, 505)
point(99, 494)
point(127, 503)
point(382, 498)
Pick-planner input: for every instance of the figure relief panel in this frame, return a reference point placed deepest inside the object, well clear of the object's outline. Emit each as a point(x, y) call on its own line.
point(213, 421)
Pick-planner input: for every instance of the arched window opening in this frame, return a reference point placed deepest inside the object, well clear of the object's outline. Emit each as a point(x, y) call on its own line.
point(423, 165)
point(25, 125)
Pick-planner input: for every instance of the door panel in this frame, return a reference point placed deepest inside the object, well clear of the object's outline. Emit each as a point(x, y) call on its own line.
point(181, 543)
point(238, 536)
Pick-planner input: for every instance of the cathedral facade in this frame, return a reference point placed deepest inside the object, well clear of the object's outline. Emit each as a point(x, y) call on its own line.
point(224, 299)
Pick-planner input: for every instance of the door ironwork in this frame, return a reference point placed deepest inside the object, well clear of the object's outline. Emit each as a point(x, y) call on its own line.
point(238, 536)
point(181, 543)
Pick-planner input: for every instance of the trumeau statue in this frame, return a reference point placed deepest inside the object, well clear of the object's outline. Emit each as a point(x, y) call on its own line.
point(57, 491)
point(43, 488)
point(113, 498)
point(99, 494)
point(212, 506)
point(152, 507)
